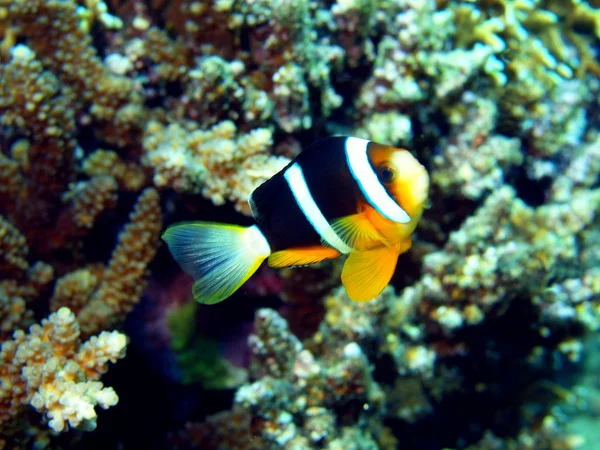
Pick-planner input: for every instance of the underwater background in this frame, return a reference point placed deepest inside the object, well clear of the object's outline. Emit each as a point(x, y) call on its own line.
point(119, 118)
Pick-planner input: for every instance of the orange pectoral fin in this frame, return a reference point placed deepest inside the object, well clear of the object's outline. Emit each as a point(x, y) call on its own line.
point(301, 256)
point(357, 232)
point(365, 274)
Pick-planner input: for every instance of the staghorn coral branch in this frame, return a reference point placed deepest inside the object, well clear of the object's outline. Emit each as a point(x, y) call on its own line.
point(90, 198)
point(75, 289)
point(124, 279)
point(57, 34)
point(53, 31)
point(32, 101)
point(128, 175)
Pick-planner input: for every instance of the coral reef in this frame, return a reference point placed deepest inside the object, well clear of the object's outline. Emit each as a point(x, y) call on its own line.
point(334, 399)
point(122, 283)
point(51, 371)
point(216, 163)
point(119, 116)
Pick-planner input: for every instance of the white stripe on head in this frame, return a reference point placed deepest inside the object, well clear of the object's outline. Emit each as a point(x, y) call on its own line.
point(371, 187)
point(296, 181)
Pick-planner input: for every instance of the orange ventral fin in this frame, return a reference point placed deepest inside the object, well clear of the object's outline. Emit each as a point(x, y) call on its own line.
point(366, 273)
point(301, 256)
point(358, 232)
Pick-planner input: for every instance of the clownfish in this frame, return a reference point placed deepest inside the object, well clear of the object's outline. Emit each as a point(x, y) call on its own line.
point(340, 196)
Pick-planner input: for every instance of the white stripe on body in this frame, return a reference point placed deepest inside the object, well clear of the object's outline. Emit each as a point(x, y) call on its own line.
point(371, 187)
point(299, 188)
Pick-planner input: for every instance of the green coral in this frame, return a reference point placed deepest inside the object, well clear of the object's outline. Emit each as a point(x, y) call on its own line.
point(181, 323)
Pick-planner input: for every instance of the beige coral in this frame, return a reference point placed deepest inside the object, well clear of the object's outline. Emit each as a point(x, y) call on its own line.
point(101, 297)
point(11, 179)
point(124, 279)
point(58, 32)
point(16, 295)
point(76, 288)
point(13, 312)
point(219, 163)
point(49, 369)
point(129, 176)
point(33, 102)
point(53, 30)
point(13, 249)
point(90, 198)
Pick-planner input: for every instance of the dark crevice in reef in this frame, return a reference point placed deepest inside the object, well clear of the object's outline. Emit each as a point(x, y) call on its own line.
point(86, 134)
point(317, 130)
point(408, 271)
point(447, 213)
point(157, 95)
point(508, 125)
point(244, 36)
point(99, 39)
point(427, 127)
point(100, 242)
point(532, 192)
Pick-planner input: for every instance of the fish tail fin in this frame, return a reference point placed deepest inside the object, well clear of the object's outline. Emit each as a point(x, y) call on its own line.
point(220, 257)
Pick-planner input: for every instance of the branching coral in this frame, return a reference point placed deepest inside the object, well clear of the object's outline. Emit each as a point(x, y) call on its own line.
point(431, 51)
point(32, 101)
point(560, 127)
point(129, 176)
point(173, 58)
point(536, 44)
point(20, 283)
point(215, 162)
point(272, 339)
point(52, 29)
point(122, 283)
point(290, 401)
point(13, 265)
point(49, 82)
point(384, 326)
point(578, 298)
point(76, 288)
point(416, 68)
point(13, 250)
point(284, 51)
point(473, 160)
point(506, 249)
point(89, 199)
point(218, 90)
point(13, 312)
point(50, 370)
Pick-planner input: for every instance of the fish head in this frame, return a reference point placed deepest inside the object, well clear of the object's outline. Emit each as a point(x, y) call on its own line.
point(403, 176)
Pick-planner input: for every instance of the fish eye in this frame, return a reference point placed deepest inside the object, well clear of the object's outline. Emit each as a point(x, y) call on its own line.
point(386, 174)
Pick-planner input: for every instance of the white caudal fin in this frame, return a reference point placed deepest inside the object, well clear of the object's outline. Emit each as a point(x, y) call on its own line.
point(220, 257)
